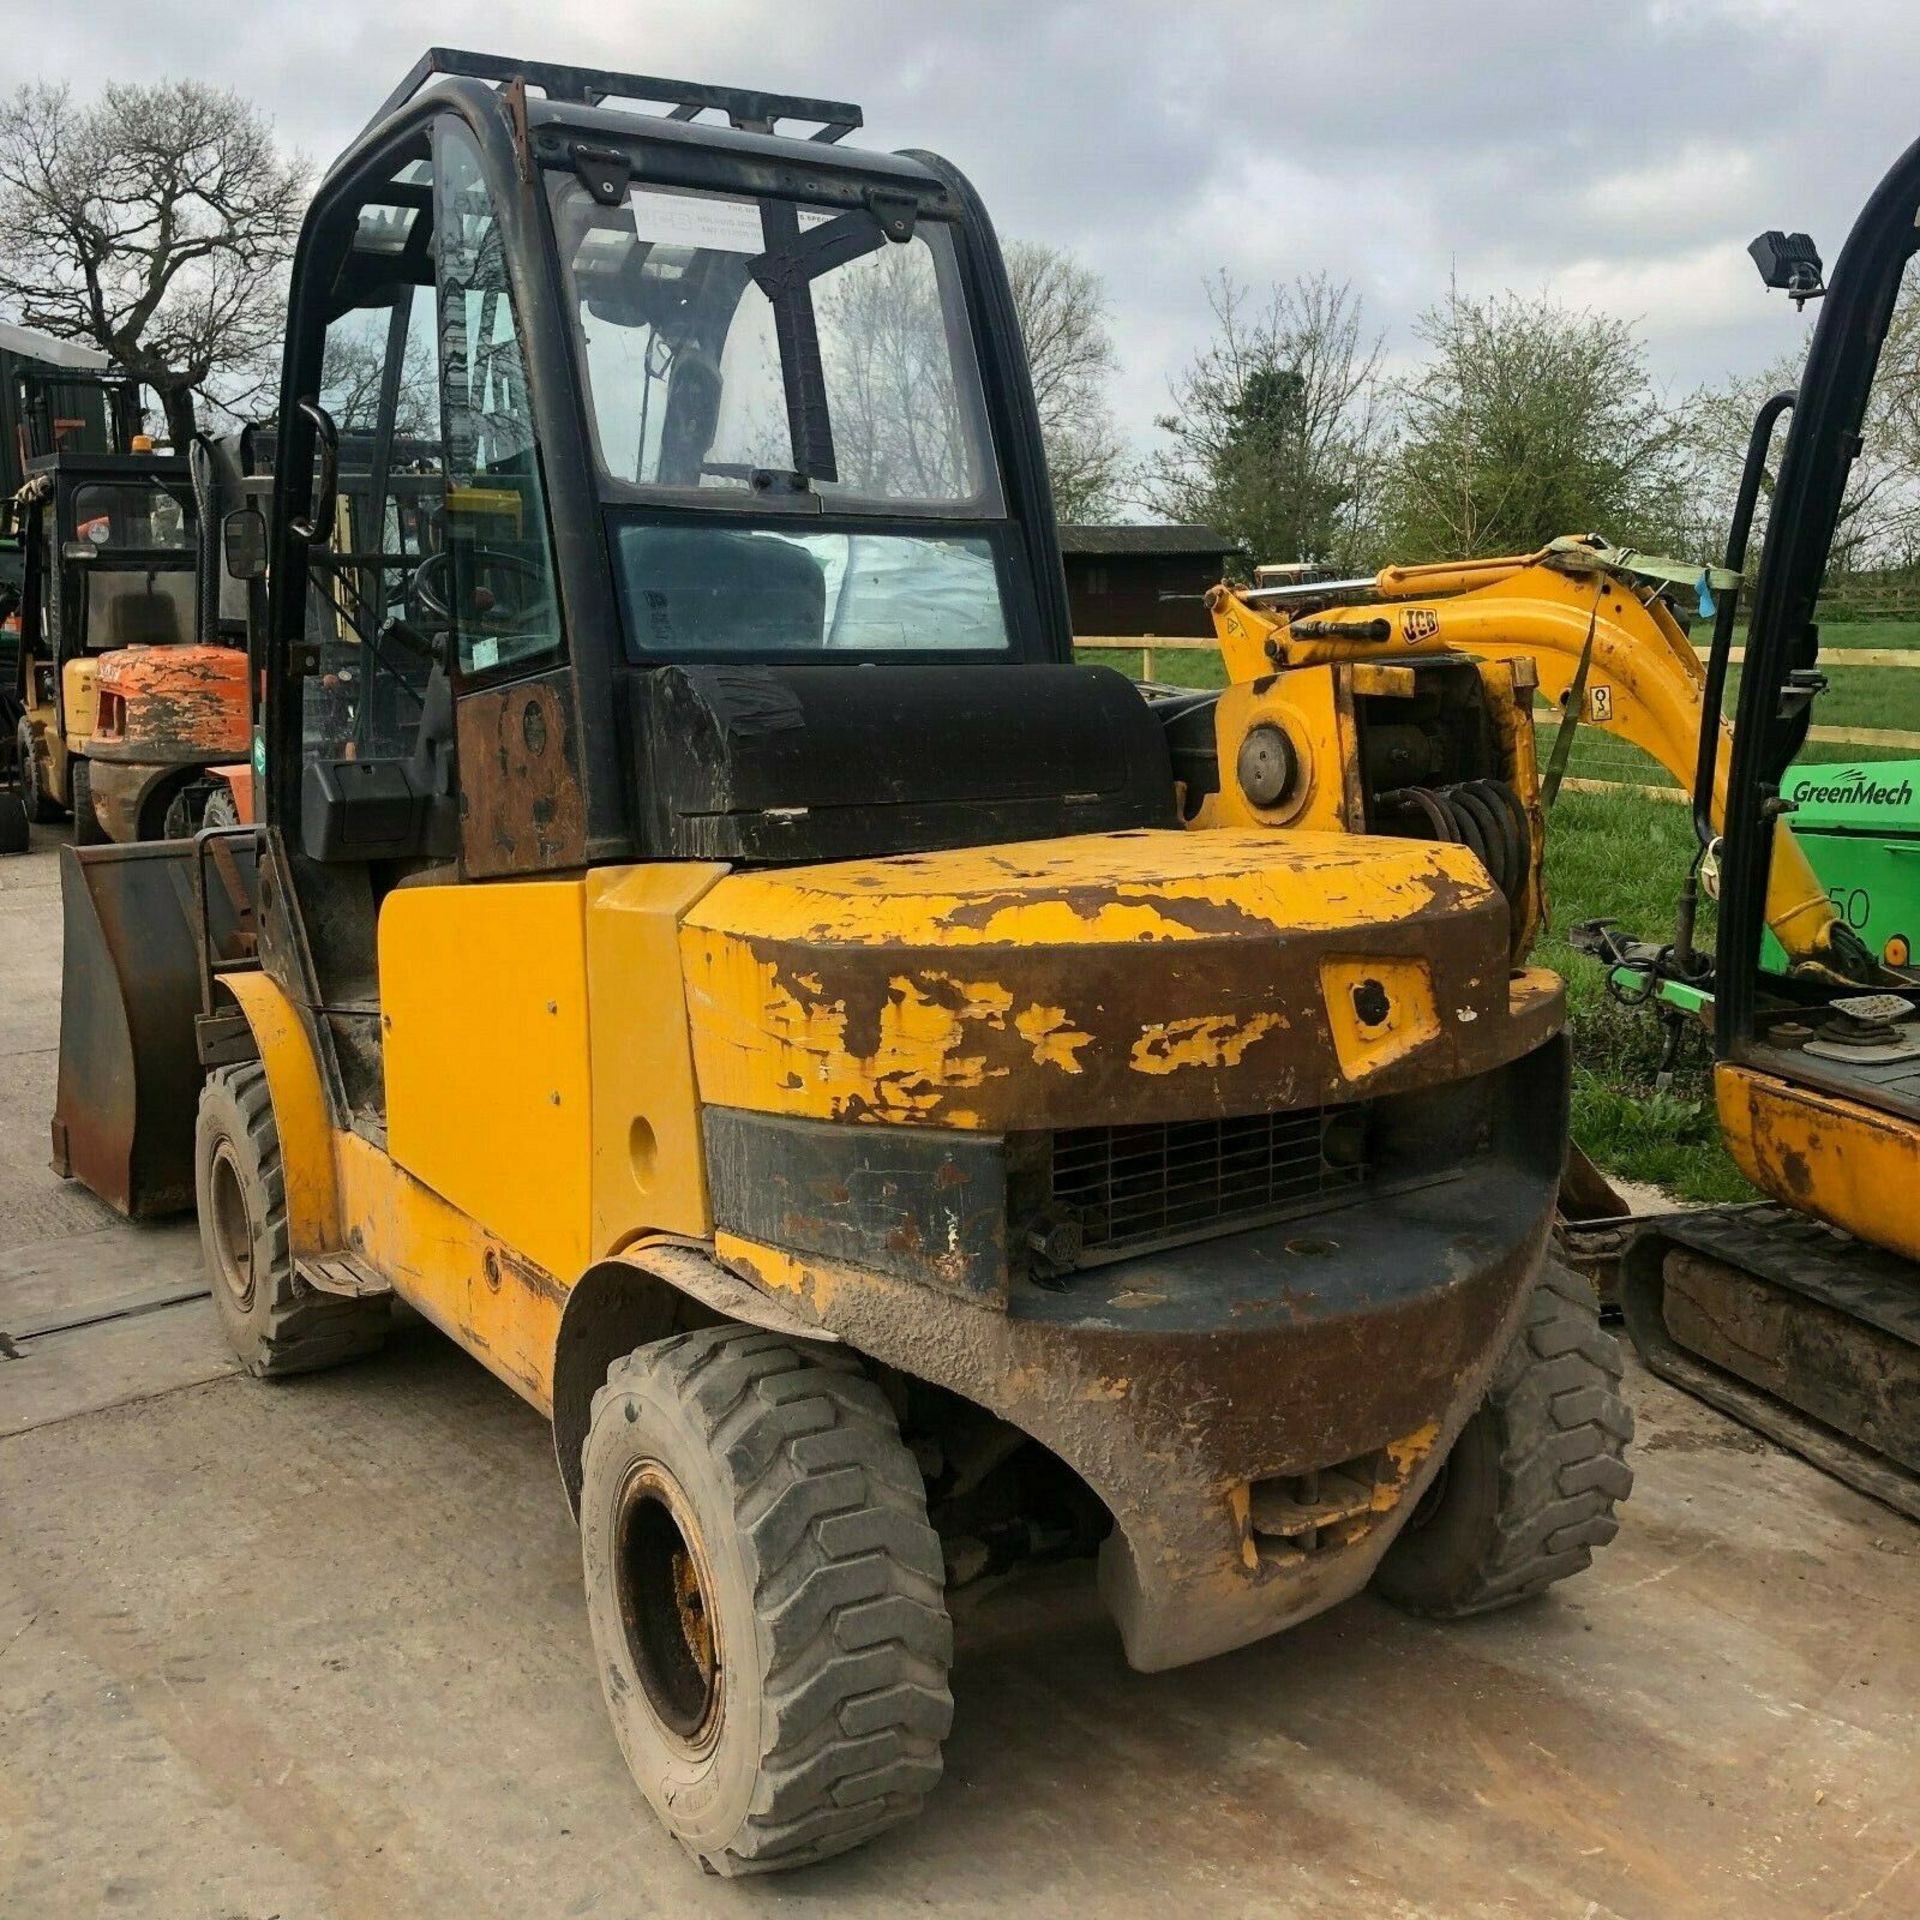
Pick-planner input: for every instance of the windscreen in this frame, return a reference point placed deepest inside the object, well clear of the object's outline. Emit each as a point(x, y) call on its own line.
point(137, 607)
point(128, 516)
point(768, 347)
point(795, 364)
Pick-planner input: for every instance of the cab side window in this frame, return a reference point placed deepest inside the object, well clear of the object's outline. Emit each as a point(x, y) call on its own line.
point(366, 621)
point(497, 581)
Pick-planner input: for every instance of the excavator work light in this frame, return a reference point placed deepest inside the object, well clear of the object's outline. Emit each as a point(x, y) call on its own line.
point(1789, 263)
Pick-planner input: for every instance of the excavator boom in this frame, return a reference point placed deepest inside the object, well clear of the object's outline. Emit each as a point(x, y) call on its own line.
point(1587, 617)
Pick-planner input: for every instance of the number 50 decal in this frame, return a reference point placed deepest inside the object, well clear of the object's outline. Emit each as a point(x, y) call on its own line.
point(1600, 703)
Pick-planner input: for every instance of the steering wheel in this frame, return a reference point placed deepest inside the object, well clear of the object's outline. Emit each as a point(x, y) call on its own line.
point(429, 586)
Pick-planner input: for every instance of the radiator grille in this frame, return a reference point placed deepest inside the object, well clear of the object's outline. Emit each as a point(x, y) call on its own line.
point(1135, 1186)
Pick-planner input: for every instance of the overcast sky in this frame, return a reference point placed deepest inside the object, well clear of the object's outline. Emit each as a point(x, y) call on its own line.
point(1621, 155)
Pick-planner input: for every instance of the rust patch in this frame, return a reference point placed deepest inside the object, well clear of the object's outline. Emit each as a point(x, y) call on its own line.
point(522, 808)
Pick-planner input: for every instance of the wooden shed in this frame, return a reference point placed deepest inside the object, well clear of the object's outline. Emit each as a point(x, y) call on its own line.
point(1134, 580)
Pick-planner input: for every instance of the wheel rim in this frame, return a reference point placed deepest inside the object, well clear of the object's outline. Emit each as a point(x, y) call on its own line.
point(232, 1227)
point(665, 1589)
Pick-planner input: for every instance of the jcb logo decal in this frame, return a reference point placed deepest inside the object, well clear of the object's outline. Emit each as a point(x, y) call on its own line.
point(1417, 624)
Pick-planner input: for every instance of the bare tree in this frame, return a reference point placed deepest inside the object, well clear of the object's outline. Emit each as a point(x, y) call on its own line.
point(1879, 525)
point(1274, 432)
point(1062, 306)
point(154, 224)
point(1530, 420)
point(883, 341)
point(897, 415)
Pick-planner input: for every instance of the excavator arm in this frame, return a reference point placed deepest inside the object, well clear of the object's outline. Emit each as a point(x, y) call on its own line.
point(1583, 617)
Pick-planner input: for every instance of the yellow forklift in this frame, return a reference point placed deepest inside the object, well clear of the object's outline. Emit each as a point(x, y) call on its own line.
point(902, 1103)
point(56, 396)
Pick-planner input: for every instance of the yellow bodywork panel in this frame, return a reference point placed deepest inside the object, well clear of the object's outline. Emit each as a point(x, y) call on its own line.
point(476, 1286)
point(649, 1165)
point(79, 679)
point(1094, 889)
point(1818, 1153)
point(1379, 1010)
point(483, 997)
point(1036, 985)
point(299, 1112)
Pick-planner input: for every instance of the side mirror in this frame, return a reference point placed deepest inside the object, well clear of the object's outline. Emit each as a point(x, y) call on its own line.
point(243, 533)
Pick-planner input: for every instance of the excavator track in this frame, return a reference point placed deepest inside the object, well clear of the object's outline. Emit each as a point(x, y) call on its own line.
point(1799, 1330)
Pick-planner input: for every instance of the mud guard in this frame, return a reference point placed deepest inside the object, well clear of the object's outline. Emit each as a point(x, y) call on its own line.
point(130, 989)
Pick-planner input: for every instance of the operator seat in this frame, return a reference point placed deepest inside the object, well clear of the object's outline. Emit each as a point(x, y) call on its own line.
point(142, 619)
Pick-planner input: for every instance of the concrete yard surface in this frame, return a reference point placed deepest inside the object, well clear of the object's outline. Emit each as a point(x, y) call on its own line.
point(316, 1650)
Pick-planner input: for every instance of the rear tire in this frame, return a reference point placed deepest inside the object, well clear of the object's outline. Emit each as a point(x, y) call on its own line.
point(221, 810)
point(87, 830)
point(766, 1597)
point(274, 1322)
point(1530, 1486)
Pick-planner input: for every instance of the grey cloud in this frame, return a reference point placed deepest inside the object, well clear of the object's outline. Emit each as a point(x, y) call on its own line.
point(1620, 154)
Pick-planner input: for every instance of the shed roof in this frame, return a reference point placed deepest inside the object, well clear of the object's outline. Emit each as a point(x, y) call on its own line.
point(43, 347)
point(1082, 537)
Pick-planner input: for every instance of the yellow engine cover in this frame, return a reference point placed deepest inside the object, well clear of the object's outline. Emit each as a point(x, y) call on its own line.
point(1102, 979)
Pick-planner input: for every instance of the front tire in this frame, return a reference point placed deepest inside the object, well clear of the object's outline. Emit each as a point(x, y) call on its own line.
point(766, 1597)
point(274, 1322)
point(87, 830)
point(41, 806)
point(1530, 1486)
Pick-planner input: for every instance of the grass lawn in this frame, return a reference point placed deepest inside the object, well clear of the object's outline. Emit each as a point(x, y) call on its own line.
point(1621, 857)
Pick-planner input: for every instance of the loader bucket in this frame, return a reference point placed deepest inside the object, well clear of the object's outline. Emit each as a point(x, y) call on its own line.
point(130, 1073)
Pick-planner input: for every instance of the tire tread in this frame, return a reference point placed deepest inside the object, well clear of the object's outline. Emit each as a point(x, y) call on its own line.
point(1563, 1429)
point(848, 1586)
point(295, 1328)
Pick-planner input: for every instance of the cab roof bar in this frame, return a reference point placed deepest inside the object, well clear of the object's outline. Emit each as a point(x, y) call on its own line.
point(745, 109)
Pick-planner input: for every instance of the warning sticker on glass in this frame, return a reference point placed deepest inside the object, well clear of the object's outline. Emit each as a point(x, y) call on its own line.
point(704, 220)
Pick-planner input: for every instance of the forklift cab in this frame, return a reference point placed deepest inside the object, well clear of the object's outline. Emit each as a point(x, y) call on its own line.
point(610, 436)
point(61, 410)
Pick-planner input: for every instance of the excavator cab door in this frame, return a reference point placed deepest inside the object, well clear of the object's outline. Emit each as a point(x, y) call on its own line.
point(1859, 1042)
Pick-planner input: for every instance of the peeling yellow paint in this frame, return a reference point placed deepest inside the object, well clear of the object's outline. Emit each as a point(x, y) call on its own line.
point(1202, 1040)
point(778, 1272)
point(1096, 889)
point(1055, 1041)
point(1240, 1505)
point(1406, 1454)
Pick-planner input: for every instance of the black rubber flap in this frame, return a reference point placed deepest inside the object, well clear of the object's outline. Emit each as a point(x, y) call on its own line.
point(838, 762)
